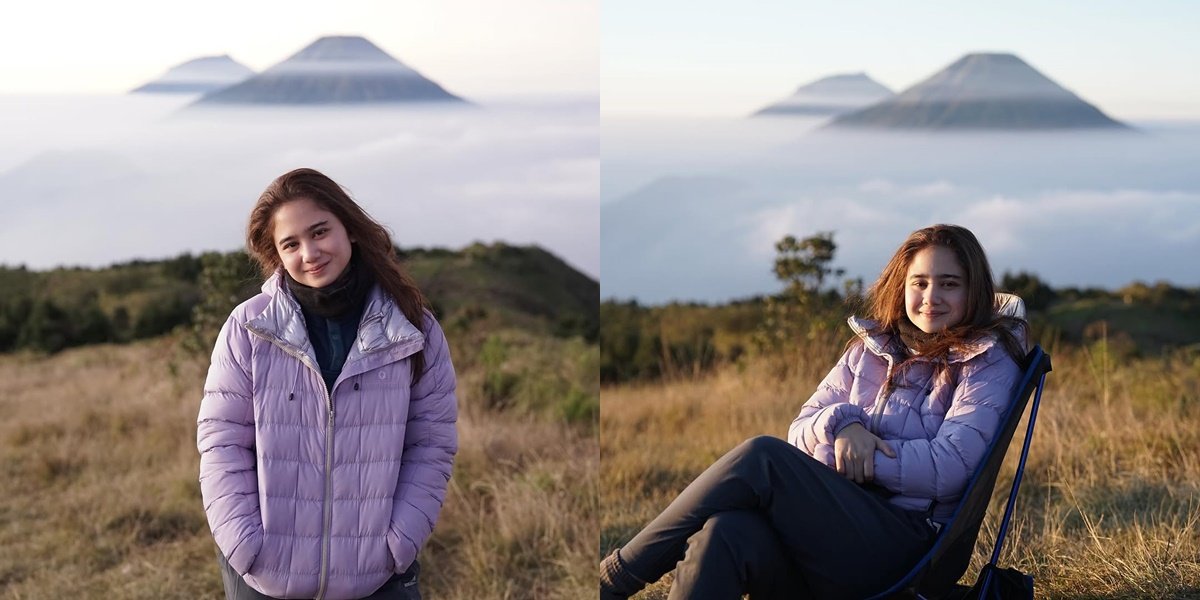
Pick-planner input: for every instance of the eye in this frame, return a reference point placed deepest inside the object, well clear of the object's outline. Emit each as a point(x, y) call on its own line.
point(320, 232)
point(288, 246)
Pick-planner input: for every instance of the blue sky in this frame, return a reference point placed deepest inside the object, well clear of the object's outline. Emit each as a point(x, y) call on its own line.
point(723, 58)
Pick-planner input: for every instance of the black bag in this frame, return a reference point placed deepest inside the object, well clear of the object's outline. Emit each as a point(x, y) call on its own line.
point(1005, 584)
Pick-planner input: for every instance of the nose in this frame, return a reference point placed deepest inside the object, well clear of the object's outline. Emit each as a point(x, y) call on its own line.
point(309, 252)
point(932, 297)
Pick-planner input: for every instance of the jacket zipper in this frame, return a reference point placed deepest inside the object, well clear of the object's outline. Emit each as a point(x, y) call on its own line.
point(326, 526)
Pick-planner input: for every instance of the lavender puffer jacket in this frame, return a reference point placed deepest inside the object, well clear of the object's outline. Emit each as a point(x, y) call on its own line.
point(939, 428)
point(312, 495)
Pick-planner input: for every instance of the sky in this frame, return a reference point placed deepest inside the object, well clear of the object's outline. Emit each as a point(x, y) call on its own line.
point(471, 47)
point(724, 58)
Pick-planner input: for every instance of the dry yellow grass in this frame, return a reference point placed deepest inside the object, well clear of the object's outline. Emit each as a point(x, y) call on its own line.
point(99, 466)
point(1110, 504)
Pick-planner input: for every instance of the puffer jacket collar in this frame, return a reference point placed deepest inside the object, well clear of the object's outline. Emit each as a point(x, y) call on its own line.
point(383, 325)
point(879, 343)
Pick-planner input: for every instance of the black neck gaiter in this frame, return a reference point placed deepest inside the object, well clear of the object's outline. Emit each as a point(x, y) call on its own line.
point(912, 336)
point(346, 293)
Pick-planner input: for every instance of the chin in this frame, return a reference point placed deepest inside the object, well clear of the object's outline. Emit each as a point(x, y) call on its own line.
point(318, 281)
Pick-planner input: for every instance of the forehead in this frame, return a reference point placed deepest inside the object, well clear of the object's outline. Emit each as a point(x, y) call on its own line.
point(934, 261)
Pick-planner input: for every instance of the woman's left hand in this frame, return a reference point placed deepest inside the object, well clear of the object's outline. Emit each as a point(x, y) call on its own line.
point(854, 453)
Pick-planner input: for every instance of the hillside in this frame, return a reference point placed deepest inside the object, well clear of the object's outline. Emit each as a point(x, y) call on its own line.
point(101, 499)
point(1108, 504)
point(495, 285)
point(650, 342)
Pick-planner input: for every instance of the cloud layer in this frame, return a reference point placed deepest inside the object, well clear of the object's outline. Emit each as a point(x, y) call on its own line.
point(91, 181)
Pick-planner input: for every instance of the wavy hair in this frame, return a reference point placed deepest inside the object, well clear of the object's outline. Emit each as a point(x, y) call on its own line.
point(373, 243)
point(885, 298)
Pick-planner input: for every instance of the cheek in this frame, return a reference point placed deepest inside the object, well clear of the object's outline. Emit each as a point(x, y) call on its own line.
point(289, 263)
point(960, 302)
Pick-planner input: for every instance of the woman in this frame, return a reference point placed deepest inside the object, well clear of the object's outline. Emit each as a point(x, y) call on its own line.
point(327, 428)
point(875, 461)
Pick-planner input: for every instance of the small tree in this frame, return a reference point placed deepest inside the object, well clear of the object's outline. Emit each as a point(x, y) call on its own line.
point(225, 281)
point(800, 311)
point(803, 265)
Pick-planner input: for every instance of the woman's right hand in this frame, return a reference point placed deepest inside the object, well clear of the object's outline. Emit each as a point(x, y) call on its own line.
point(854, 453)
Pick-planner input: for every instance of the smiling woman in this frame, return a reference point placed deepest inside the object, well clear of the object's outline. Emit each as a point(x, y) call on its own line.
point(327, 428)
point(876, 460)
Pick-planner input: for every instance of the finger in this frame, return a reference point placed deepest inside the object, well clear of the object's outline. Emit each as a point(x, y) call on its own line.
point(857, 470)
point(839, 463)
point(869, 469)
point(885, 448)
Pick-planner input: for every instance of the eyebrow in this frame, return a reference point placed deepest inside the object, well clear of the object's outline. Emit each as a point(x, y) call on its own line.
point(310, 228)
point(942, 276)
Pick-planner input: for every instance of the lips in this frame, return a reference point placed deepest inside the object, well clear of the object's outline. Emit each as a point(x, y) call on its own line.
point(318, 270)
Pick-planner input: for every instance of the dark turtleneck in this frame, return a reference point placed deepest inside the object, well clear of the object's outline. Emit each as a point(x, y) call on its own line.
point(346, 293)
point(332, 314)
point(913, 338)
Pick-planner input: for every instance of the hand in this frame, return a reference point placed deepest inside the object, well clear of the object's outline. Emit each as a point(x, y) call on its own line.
point(854, 453)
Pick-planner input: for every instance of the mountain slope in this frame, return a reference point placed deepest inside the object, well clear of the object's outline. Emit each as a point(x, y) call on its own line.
point(833, 95)
point(982, 91)
point(334, 70)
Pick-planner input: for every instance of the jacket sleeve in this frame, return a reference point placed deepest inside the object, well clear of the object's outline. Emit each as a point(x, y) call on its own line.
point(829, 409)
point(225, 438)
point(939, 468)
point(430, 443)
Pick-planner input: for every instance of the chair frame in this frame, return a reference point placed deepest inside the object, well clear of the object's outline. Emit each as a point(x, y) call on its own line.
point(940, 568)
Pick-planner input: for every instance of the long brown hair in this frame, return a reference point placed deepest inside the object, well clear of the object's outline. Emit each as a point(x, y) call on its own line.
point(885, 299)
point(373, 243)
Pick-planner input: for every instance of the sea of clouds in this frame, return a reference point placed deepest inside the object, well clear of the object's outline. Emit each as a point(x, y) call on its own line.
point(92, 180)
point(691, 209)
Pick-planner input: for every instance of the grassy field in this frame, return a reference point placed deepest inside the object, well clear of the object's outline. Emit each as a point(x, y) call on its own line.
point(1110, 504)
point(98, 465)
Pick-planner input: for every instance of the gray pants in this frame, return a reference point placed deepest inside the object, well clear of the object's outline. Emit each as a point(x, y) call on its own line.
point(768, 520)
point(402, 586)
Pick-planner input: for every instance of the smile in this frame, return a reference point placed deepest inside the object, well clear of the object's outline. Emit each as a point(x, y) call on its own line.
point(317, 270)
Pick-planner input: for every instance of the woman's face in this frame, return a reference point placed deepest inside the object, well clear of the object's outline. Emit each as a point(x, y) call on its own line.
point(935, 289)
point(312, 242)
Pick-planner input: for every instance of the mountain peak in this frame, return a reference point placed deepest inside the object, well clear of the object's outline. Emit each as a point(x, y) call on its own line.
point(340, 69)
point(832, 95)
point(342, 47)
point(199, 75)
point(983, 90)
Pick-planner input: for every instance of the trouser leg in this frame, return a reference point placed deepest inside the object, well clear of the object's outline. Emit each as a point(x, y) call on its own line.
point(236, 588)
point(845, 541)
point(736, 552)
point(402, 586)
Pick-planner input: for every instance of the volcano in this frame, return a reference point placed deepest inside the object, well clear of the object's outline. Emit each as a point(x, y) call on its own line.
point(198, 76)
point(991, 91)
point(829, 96)
point(335, 70)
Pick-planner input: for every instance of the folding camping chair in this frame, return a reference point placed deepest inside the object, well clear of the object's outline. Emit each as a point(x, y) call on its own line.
point(937, 573)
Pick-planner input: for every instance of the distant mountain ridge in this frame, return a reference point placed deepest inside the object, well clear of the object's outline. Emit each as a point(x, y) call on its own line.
point(833, 95)
point(198, 76)
point(334, 70)
point(982, 91)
